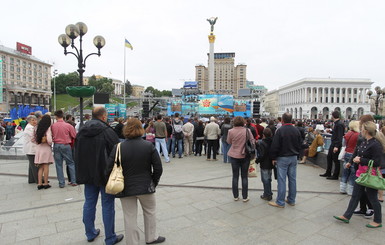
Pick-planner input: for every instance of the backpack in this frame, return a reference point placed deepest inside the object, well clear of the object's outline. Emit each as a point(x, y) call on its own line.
point(178, 133)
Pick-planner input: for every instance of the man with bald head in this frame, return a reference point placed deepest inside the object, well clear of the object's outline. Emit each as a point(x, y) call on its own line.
point(93, 145)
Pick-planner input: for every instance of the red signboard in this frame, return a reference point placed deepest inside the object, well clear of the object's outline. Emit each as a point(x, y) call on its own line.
point(23, 48)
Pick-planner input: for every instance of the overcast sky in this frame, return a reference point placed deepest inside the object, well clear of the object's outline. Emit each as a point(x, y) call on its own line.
point(281, 41)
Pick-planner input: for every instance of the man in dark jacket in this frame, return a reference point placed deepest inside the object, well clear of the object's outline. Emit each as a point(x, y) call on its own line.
point(335, 148)
point(93, 145)
point(284, 152)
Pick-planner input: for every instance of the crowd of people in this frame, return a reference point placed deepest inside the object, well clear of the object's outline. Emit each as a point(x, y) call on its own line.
point(277, 145)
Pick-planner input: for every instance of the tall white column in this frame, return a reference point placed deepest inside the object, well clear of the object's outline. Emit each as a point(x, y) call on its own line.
point(305, 95)
point(363, 94)
point(340, 95)
point(211, 62)
point(330, 94)
point(317, 95)
point(311, 94)
point(323, 95)
point(346, 95)
point(352, 95)
point(358, 96)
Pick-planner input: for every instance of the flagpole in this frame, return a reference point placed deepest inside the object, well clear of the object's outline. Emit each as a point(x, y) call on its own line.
point(124, 81)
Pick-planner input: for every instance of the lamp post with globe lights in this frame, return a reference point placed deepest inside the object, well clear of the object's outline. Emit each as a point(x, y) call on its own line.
point(68, 39)
point(379, 96)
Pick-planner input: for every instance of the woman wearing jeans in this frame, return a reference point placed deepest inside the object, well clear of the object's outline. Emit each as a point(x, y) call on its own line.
point(371, 148)
point(349, 172)
point(239, 161)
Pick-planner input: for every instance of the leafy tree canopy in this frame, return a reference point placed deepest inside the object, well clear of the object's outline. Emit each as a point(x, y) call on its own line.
point(102, 85)
point(64, 80)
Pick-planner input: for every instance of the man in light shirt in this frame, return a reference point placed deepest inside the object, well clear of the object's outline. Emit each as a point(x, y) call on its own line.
point(188, 132)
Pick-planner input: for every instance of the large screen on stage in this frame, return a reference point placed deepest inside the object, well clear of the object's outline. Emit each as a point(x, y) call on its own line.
point(174, 107)
point(242, 108)
point(215, 104)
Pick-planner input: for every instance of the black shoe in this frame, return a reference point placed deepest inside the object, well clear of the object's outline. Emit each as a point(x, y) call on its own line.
point(267, 198)
point(39, 187)
point(332, 178)
point(159, 240)
point(325, 175)
point(119, 238)
point(97, 234)
point(359, 212)
point(46, 186)
point(173, 156)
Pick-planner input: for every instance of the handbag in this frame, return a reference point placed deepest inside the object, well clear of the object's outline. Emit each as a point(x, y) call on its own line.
point(249, 147)
point(252, 169)
point(150, 136)
point(341, 156)
point(115, 182)
point(320, 148)
point(372, 181)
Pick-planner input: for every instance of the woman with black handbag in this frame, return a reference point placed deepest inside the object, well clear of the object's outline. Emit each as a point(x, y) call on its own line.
point(371, 149)
point(242, 144)
point(142, 169)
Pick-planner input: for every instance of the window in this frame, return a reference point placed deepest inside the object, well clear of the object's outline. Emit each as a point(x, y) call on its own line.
point(18, 77)
point(12, 76)
point(18, 62)
point(12, 61)
point(30, 79)
point(4, 67)
point(12, 68)
point(24, 78)
point(24, 71)
point(29, 65)
point(29, 72)
point(34, 66)
point(18, 69)
point(24, 64)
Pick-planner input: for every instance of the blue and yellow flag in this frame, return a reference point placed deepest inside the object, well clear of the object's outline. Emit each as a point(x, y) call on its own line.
point(127, 44)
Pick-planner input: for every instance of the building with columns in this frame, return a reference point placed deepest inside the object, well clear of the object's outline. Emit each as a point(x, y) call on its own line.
point(25, 79)
point(317, 98)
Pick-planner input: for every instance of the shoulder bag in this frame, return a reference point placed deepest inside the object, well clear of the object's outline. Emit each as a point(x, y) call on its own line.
point(249, 147)
point(372, 181)
point(115, 182)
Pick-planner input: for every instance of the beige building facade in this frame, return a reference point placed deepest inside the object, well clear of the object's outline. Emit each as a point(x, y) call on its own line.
point(26, 80)
point(270, 104)
point(137, 90)
point(228, 78)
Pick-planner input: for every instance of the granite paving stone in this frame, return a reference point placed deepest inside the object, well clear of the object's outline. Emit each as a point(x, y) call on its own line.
point(194, 206)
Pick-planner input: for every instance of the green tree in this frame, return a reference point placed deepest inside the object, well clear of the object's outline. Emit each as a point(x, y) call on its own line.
point(102, 85)
point(167, 93)
point(128, 88)
point(64, 80)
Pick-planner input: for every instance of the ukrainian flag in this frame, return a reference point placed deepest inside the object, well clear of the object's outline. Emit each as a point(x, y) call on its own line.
point(127, 44)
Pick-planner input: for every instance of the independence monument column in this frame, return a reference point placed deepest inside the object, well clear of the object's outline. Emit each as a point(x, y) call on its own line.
point(210, 86)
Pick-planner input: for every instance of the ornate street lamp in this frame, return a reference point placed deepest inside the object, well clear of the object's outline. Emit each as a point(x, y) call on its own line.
point(380, 94)
point(65, 40)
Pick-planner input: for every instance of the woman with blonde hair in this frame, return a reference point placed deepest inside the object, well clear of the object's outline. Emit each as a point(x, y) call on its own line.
point(142, 169)
point(350, 141)
point(371, 149)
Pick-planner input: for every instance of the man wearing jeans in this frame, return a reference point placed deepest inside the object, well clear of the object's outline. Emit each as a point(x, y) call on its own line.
point(284, 152)
point(93, 145)
point(160, 137)
point(63, 134)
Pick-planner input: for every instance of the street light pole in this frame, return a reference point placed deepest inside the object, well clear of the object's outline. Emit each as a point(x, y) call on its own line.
point(54, 89)
point(380, 95)
point(72, 32)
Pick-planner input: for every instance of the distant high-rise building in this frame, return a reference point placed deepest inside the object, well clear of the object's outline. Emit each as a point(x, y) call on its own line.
point(24, 79)
point(228, 78)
